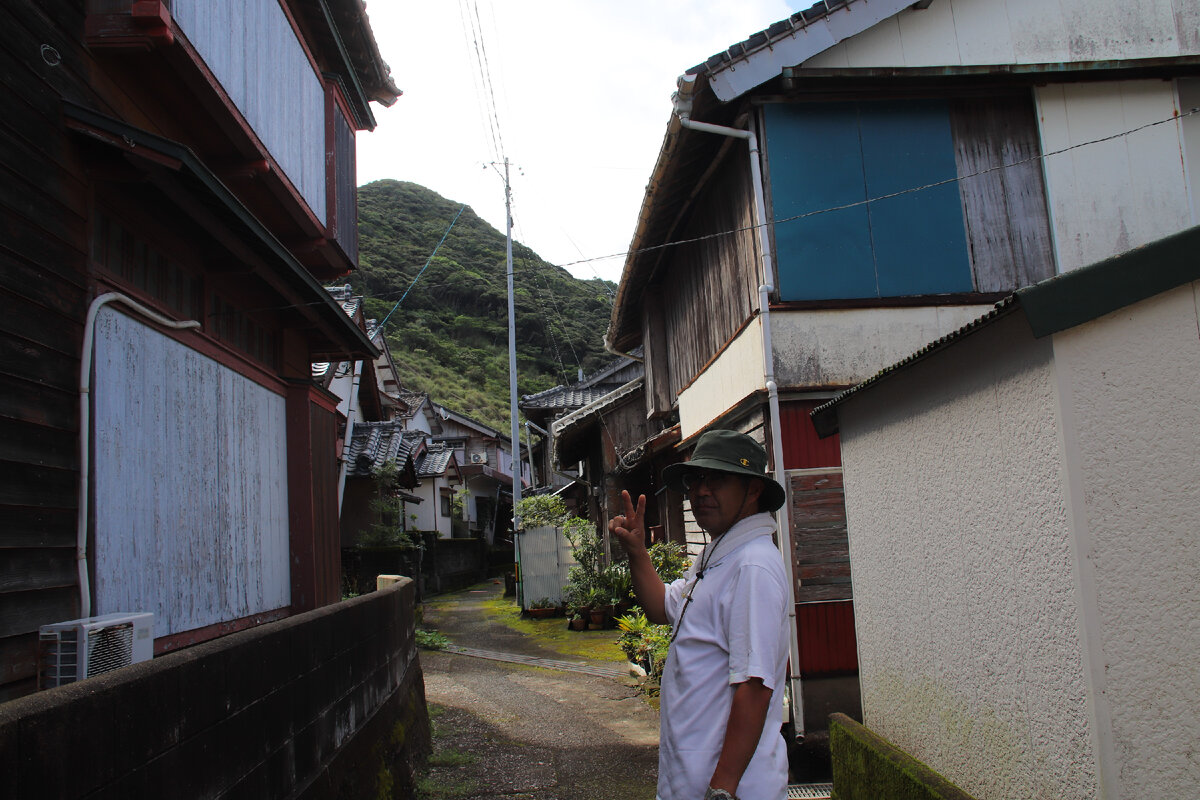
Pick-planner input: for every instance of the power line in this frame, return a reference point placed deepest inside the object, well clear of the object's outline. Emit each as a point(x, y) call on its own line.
point(816, 212)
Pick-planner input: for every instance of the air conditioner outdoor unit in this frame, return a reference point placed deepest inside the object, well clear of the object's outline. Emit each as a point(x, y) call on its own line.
point(478, 458)
point(82, 648)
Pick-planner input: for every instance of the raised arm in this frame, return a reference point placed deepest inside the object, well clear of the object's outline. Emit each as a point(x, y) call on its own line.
point(630, 529)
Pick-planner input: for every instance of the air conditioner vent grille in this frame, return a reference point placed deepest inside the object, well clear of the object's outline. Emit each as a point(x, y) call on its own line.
point(110, 648)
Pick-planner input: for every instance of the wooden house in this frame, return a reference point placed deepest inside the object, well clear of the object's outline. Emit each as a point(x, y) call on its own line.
point(543, 408)
point(1023, 506)
point(178, 182)
point(862, 178)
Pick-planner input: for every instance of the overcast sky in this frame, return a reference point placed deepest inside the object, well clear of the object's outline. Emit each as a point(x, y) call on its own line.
point(582, 99)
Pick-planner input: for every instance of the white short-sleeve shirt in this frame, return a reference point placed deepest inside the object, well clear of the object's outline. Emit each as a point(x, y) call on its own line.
point(734, 629)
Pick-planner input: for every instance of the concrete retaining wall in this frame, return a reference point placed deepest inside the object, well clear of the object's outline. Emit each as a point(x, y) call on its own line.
point(325, 704)
point(868, 767)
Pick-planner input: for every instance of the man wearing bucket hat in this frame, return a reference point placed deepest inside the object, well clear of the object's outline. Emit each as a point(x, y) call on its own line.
point(721, 705)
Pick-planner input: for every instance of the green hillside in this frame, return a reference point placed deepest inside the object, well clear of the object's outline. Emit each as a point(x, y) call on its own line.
point(449, 336)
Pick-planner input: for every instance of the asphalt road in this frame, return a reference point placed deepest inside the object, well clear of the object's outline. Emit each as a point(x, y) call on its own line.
point(509, 730)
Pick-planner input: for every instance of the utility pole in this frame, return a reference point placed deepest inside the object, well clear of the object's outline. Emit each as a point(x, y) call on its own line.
point(512, 385)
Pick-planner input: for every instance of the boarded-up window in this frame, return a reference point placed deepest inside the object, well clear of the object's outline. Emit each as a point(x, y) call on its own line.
point(190, 493)
point(867, 198)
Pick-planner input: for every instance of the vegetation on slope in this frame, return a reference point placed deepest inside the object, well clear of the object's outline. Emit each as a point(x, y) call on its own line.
point(449, 335)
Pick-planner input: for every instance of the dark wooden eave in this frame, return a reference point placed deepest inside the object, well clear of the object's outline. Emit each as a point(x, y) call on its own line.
point(143, 49)
point(185, 181)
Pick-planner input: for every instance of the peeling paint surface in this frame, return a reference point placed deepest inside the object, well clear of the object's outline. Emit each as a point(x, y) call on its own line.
point(842, 347)
point(190, 477)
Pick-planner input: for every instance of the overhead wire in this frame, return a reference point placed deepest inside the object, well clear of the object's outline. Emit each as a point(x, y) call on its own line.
point(816, 212)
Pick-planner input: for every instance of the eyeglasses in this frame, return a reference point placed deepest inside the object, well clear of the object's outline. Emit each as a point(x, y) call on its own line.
point(692, 481)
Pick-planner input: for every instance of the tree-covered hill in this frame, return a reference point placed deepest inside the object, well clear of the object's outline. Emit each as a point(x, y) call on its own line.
point(449, 336)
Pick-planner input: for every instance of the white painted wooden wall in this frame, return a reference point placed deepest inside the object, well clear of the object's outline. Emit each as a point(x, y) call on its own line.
point(190, 483)
point(252, 50)
point(546, 558)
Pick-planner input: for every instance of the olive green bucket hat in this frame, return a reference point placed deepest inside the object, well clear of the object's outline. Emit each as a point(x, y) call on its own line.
point(728, 451)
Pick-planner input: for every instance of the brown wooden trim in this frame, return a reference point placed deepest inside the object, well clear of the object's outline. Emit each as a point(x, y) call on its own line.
point(199, 340)
point(728, 343)
point(298, 206)
point(914, 301)
point(178, 641)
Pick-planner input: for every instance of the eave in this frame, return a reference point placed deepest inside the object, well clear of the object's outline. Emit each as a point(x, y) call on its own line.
point(175, 171)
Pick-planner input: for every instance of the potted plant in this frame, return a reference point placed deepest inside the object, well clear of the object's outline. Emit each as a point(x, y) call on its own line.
point(542, 608)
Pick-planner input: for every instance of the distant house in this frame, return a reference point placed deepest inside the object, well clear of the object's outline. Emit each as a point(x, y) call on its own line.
point(485, 461)
point(860, 179)
point(543, 408)
point(170, 209)
point(440, 480)
point(1023, 500)
point(375, 448)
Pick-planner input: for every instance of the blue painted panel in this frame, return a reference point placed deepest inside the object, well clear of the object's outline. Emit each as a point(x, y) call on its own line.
point(919, 237)
point(815, 164)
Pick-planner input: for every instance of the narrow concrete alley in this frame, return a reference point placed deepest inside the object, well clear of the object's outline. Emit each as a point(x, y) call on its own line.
point(522, 714)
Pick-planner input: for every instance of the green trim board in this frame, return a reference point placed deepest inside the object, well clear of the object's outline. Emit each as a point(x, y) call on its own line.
point(1063, 302)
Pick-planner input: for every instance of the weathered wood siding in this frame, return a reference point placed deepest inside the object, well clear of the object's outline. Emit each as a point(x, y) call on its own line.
point(345, 226)
point(323, 428)
point(43, 299)
point(820, 547)
point(1008, 228)
point(252, 49)
point(190, 496)
point(709, 288)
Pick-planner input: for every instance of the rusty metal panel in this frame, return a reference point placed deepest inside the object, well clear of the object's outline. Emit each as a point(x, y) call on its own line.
point(251, 48)
point(190, 483)
point(802, 448)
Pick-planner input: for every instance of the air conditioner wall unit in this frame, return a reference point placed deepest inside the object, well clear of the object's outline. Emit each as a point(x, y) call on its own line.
point(83, 648)
point(478, 458)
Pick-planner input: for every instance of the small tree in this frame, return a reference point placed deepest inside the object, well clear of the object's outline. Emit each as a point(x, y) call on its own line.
point(388, 529)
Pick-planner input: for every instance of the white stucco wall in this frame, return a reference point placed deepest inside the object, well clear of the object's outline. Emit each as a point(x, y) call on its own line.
point(842, 347)
point(1130, 383)
point(965, 596)
point(733, 375)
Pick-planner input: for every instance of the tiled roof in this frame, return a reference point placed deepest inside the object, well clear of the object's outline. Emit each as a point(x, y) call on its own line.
point(435, 461)
point(567, 397)
point(579, 394)
point(412, 401)
point(376, 443)
point(790, 42)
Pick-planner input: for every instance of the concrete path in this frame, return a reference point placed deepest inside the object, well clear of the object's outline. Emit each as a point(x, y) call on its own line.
point(513, 718)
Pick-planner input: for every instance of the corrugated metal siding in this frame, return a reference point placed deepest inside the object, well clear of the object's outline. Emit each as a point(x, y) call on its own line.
point(190, 497)
point(827, 640)
point(802, 448)
point(545, 559)
point(252, 50)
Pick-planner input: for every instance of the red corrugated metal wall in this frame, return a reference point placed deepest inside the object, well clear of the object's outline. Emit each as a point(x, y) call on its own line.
point(825, 629)
point(827, 642)
point(802, 449)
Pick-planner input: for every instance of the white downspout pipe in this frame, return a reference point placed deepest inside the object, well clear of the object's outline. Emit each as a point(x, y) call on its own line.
point(683, 107)
point(85, 418)
point(351, 404)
